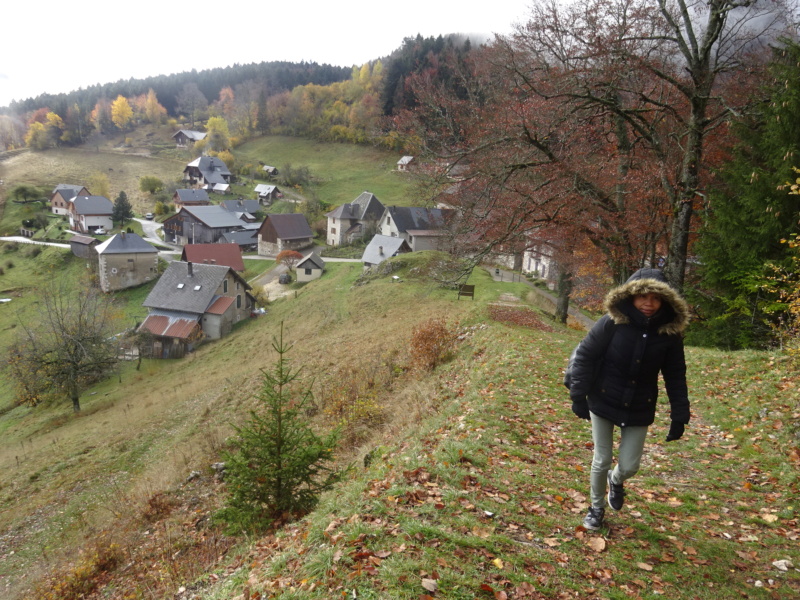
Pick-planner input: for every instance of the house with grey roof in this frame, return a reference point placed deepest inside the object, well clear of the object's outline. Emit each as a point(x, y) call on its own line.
point(208, 172)
point(405, 162)
point(187, 137)
point(281, 232)
point(190, 197)
point(191, 302)
point(63, 194)
point(382, 247)
point(125, 260)
point(309, 268)
point(354, 220)
point(422, 228)
point(243, 209)
point(89, 213)
point(200, 225)
point(246, 239)
point(267, 193)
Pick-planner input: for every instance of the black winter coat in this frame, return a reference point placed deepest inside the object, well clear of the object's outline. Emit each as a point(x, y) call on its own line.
point(619, 378)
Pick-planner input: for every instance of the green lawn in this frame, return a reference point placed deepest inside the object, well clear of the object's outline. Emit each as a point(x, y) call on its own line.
point(343, 170)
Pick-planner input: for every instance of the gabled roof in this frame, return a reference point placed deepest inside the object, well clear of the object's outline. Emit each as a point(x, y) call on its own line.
point(241, 205)
point(212, 169)
point(227, 255)
point(366, 207)
point(92, 205)
point(242, 238)
point(185, 196)
point(291, 226)
point(312, 261)
point(263, 188)
point(213, 216)
point(126, 243)
point(191, 134)
point(188, 287)
point(405, 160)
point(68, 191)
point(382, 247)
point(415, 217)
point(170, 323)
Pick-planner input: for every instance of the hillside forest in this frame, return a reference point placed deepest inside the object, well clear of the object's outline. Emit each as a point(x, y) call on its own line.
point(668, 137)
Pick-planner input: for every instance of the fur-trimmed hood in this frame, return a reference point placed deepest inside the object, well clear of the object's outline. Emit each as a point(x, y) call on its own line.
point(619, 301)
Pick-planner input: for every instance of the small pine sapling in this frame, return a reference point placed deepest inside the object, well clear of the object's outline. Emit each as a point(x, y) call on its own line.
point(279, 466)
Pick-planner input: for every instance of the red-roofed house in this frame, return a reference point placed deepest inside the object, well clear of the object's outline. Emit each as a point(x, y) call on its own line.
point(228, 255)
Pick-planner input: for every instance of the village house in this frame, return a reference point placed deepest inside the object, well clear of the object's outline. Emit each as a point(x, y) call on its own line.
point(63, 194)
point(266, 193)
point(190, 197)
point(538, 261)
point(227, 255)
point(404, 164)
point(309, 268)
point(281, 232)
point(90, 213)
point(200, 225)
point(125, 260)
point(382, 247)
point(354, 220)
point(191, 302)
point(247, 239)
point(83, 246)
point(422, 228)
point(270, 171)
point(208, 172)
point(244, 210)
point(185, 138)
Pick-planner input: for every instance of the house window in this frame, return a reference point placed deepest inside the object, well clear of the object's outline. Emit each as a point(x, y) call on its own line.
point(308, 271)
point(333, 230)
point(225, 286)
point(239, 301)
point(388, 220)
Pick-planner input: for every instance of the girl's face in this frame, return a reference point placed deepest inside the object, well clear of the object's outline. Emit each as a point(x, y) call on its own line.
point(647, 304)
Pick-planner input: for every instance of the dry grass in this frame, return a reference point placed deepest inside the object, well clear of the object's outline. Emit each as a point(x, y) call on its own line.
point(66, 476)
point(77, 165)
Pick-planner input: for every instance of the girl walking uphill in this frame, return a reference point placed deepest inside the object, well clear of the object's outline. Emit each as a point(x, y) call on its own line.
point(614, 380)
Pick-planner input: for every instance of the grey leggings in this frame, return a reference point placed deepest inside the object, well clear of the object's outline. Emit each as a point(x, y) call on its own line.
point(631, 446)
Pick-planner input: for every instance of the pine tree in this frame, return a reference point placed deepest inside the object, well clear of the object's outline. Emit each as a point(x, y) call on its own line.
point(279, 466)
point(122, 211)
point(750, 214)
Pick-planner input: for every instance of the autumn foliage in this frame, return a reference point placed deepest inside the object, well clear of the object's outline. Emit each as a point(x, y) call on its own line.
point(432, 343)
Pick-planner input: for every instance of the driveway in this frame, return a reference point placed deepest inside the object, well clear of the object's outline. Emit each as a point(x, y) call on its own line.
point(150, 231)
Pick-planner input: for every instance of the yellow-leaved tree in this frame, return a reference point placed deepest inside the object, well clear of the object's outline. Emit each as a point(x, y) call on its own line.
point(121, 112)
point(153, 111)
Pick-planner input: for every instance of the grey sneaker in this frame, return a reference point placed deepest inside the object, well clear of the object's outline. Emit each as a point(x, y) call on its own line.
point(616, 494)
point(594, 518)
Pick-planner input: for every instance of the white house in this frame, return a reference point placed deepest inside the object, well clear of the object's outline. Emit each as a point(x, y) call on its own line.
point(89, 213)
point(311, 267)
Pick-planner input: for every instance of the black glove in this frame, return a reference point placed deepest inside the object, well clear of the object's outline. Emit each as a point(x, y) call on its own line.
point(581, 409)
point(675, 431)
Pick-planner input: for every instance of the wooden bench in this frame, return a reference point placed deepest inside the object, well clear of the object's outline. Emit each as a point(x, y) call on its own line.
point(466, 290)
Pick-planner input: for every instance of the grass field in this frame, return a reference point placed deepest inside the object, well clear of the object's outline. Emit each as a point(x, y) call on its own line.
point(469, 481)
point(343, 170)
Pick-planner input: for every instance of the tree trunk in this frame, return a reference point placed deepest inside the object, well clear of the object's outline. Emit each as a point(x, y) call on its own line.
point(564, 291)
point(76, 403)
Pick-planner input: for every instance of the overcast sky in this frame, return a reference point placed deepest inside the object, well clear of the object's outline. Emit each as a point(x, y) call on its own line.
point(58, 47)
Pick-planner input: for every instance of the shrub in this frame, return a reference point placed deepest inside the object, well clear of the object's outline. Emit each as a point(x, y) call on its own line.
point(279, 466)
point(150, 184)
point(432, 343)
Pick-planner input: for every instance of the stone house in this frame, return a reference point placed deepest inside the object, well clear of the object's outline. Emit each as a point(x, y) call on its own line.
point(125, 260)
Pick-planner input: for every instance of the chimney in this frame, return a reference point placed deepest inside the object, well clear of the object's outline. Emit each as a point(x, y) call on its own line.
point(380, 250)
point(123, 235)
point(190, 268)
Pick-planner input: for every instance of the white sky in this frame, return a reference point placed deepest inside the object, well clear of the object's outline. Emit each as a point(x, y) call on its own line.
point(62, 46)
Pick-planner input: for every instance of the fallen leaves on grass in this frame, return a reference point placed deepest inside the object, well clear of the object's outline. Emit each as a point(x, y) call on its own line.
point(517, 316)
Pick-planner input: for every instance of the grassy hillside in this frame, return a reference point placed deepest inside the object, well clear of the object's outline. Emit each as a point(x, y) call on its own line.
point(343, 170)
point(476, 480)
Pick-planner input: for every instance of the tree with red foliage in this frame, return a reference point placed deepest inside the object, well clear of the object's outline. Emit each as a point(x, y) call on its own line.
point(289, 258)
point(593, 120)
